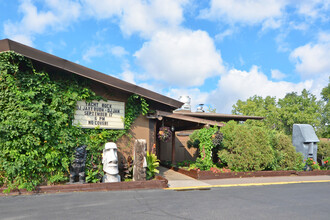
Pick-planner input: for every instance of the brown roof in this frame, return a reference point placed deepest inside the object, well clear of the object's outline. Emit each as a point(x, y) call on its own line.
point(57, 62)
point(217, 116)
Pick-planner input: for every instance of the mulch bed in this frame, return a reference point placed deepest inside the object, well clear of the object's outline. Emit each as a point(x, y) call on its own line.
point(157, 183)
point(205, 175)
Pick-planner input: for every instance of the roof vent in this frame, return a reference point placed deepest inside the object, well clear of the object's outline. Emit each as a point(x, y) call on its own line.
point(186, 100)
point(200, 108)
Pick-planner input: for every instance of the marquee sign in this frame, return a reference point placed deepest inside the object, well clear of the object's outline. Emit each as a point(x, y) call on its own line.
point(106, 115)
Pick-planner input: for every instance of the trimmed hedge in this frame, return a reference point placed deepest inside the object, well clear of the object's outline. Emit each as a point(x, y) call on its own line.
point(250, 148)
point(245, 148)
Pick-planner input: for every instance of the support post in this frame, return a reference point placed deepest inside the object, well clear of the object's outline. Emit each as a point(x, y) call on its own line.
point(173, 147)
point(140, 162)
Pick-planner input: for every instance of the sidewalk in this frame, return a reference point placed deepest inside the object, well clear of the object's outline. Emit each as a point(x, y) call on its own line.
point(179, 181)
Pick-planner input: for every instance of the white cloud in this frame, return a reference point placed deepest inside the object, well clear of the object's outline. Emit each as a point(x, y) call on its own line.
point(138, 16)
point(271, 23)
point(184, 58)
point(59, 15)
point(100, 50)
point(312, 60)
point(324, 37)
point(276, 74)
point(226, 33)
point(282, 44)
point(93, 52)
point(104, 8)
point(22, 38)
point(237, 84)
point(244, 11)
point(128, 76)
point(314, 9)
point(118, 51)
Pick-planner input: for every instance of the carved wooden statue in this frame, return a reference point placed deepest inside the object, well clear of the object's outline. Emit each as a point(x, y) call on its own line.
point(77, 168)
point(140, 160)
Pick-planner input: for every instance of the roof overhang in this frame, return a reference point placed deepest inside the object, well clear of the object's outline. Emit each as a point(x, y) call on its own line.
point(193, 120)
point(218, 116)
point(57, 62)
point(182, 122)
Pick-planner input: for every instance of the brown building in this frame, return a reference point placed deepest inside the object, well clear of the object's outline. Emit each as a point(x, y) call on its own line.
point(145, 127)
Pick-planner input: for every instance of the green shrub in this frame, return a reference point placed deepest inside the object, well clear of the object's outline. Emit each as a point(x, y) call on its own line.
point(326, 164)
point(323, 150)
point(245, 147)
point(193, 140)
point(184, 164)
point(286, 157)
point(311, 165)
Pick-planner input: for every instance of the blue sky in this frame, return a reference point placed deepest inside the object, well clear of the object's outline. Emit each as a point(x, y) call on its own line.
point(215, 51)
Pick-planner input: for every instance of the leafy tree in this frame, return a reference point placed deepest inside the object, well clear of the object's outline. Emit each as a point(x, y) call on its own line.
point(282, 114)
point(326, 111)
point(299, 109)
point(211, 109)
point(257, 106)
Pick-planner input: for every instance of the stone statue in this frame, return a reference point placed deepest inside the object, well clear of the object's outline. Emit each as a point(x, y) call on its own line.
point(305, 140)
point(110, 163)
point(140, 160)
point(78, 165)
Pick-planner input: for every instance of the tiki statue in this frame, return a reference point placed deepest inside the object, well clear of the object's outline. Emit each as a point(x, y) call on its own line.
point(77, 168)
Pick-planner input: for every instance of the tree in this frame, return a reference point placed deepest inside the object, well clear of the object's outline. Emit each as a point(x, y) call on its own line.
point(210, 109)
point(299, 109)
point(326, 111)
point(282, 114)
point(258, 106)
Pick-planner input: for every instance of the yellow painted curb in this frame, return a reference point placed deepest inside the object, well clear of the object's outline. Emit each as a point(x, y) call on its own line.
point(245, 184)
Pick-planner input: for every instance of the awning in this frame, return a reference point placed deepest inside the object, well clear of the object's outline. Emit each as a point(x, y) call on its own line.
point(183, 122)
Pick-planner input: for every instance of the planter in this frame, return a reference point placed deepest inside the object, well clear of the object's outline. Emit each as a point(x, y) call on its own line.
point(205, 175)
point(157, 183)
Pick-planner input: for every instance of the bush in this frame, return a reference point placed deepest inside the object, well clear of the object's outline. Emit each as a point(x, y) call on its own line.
point(326, 164)
point(286, 157)
point(311, 165)
point(246, 148)
point(323, 150)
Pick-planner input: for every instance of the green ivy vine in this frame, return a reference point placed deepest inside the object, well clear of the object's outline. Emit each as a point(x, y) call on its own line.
point(206, 145)
point(37, 138)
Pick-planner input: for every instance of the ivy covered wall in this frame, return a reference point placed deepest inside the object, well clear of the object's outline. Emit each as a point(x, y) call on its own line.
point(37, 139)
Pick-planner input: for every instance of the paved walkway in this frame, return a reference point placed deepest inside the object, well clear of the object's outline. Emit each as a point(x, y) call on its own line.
point(180, 181)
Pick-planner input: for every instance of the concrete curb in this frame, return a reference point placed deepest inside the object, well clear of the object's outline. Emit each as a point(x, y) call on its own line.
point(242, 184)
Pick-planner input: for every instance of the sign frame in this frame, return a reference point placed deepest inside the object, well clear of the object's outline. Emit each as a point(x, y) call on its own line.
point(98, 113)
